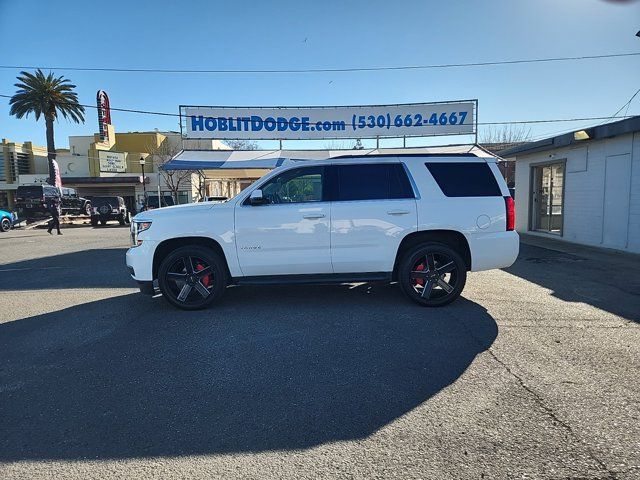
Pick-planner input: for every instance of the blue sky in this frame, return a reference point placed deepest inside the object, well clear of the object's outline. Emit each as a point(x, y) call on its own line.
point(295, 34)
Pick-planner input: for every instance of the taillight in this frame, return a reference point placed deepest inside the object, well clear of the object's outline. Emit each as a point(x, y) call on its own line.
point(510, 206)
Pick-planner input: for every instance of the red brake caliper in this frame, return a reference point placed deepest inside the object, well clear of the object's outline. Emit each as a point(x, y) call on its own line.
point(205, 279)
point(420, 281)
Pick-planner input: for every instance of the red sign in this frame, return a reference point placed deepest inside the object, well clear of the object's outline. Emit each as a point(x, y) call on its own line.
point(104, 114)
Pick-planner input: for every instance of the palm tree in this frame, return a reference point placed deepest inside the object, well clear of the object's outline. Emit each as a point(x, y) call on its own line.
point(46, 96)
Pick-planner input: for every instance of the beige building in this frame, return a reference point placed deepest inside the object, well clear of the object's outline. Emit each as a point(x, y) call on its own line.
point(112, 166)
point(19, 160)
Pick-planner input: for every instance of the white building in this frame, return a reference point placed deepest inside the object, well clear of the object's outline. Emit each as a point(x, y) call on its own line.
point(583, 187)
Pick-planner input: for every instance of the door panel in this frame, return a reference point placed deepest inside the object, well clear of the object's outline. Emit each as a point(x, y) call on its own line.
point(289, 235)
point(616, 200)
point(283, 239)
point(374, 209)
point(365, 235)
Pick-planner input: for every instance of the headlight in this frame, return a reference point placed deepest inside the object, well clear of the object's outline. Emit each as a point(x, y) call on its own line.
point(137, 227)
point(141, 226)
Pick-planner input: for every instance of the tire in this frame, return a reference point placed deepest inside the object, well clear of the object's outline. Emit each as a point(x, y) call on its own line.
point(121, 220)
point(5, 225)
point(94, 222)
point(432, 274)
point(103, 222)
point(176, 278)
point(86, 210)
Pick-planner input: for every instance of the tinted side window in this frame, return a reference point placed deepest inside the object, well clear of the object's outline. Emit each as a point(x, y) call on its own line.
point(51, 191)
point(299, 185)
point(372, 182)
point(465, 179)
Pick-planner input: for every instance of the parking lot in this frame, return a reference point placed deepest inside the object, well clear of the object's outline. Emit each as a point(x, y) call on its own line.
point(532, 374)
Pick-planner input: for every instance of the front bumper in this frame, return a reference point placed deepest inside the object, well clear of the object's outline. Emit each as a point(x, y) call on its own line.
point(140, 261)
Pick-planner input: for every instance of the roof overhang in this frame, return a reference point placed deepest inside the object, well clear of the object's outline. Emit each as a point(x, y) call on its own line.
point(129, 180)
point(598, 132)
point(261, 159)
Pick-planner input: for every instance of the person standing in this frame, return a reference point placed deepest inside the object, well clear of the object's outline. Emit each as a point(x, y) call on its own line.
point(54, 210)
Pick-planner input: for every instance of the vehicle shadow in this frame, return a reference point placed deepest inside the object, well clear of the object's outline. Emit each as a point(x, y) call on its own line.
point(572, 278)
point(266, 369)
point(93, 268)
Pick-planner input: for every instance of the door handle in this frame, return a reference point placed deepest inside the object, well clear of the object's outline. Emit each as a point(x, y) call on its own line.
point(398, 212)
point(313, 216)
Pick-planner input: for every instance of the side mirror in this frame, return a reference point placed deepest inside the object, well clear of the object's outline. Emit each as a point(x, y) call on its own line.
point(256, 198)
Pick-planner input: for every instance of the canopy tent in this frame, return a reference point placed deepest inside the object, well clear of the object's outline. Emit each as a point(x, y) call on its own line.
point(260, 159)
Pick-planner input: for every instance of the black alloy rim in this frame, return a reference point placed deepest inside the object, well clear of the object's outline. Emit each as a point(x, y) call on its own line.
point(434, 276)
point(190, 280)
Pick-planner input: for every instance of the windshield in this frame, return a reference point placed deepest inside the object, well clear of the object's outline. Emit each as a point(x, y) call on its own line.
point(113, 201)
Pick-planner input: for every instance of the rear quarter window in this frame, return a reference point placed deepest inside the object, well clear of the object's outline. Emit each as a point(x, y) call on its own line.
point(464, 179)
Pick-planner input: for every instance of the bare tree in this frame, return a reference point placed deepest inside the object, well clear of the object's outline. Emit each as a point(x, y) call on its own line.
point(173, 179)
point(242, 144)
point(500, 138)
point(505, 134)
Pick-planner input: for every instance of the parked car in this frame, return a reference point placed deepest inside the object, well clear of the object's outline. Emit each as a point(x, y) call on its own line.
point(152, 202)
point(423, 221)
point(32, 200)
point(7, 220)
point(105, 209)
point(72, 203)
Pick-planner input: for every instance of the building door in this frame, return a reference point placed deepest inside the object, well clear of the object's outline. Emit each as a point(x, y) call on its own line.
point(615, 223)
point(548, 198)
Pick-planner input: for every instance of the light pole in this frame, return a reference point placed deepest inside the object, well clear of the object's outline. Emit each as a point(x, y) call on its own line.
point(144, 186)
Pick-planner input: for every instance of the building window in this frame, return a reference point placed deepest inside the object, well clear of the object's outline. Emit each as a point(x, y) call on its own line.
point(20, 165)
point(3, 175)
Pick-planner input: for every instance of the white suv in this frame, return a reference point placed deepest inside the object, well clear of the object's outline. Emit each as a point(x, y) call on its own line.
point(420, 220)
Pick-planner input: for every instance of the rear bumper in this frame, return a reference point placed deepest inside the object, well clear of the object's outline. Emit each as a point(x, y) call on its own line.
point(493, 250)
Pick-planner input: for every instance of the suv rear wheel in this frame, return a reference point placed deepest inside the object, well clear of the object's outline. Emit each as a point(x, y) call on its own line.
point(432, 274)
point(192, 277)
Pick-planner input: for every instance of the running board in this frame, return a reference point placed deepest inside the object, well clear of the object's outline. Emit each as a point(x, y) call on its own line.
point(323, 278)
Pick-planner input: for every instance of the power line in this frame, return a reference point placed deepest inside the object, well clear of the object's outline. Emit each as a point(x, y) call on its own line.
point(512, 122)
point(628, 102)
point(320, 70)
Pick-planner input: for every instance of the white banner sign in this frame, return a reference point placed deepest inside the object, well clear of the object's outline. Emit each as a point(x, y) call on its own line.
point(297, 123)
point(112, 162)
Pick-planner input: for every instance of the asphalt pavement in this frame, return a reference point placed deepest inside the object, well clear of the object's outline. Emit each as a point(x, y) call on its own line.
point(533, 373)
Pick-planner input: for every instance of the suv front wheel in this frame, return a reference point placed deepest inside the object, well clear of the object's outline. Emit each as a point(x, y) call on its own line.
point(192, 277)
point(432, 274)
